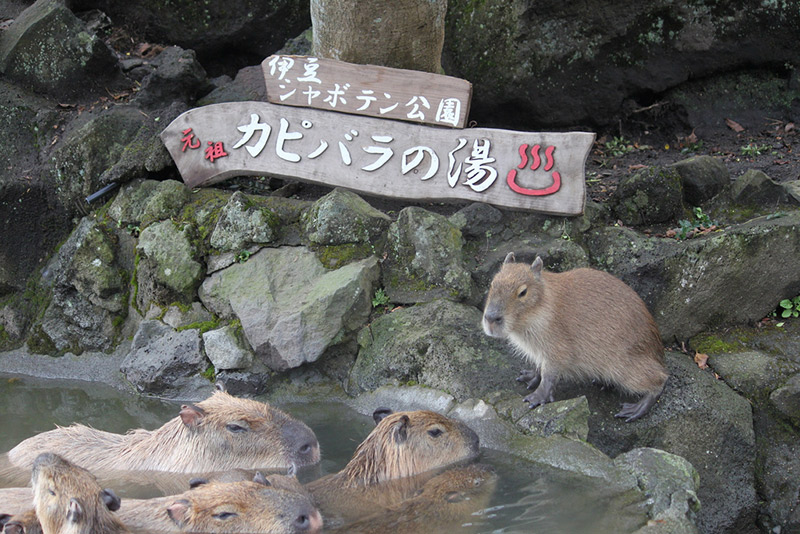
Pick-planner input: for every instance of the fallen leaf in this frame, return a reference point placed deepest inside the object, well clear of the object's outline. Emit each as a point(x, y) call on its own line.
point(636, 167)
point(701, 360)
point(789, 127)
point(735, 126)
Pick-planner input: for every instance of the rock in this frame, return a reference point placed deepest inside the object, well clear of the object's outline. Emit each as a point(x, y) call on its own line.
point(777, 466)
point(292, 309)
point(48, 48)
point(225, 350)
point(753, 373)
point(792, 190)
point(476, 220)
point(167, 271)
point(786, 399)
point(440, 345)
point(722, 448)
point(702, 178)
point(242, 224)
point(705, 282)
point(89, 293)
point(176, 317)
point(649, 196)
point(588, 64)
point(569, 417)
point(111, 146)
point(162, 359)
point(756, 188)
point(342, 217)
point(252, 28)
point(670, 482)
point(176, 76)
point(248, 85)
point(425, 260)
point(143, 202)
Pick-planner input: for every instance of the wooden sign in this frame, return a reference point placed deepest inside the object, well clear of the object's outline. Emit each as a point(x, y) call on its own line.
point(530, 171)
point(369, 90)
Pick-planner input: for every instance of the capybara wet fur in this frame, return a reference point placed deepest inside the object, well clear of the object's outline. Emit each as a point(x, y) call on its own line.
point(219, 433)
point(68, 499)
point(582, 324)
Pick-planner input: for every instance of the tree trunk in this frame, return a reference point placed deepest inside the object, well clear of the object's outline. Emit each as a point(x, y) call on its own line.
point(407, 34)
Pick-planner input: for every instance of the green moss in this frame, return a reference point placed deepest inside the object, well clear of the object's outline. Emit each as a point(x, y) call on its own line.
point(202, 326)
point(40, 343)
point(335, 256)
point(735, 340)
point(209, 374)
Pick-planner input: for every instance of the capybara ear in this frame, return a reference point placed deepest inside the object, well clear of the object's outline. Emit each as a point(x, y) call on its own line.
point(110, 499)
point(400, 430)
point(195, 482)
point(177, 511)
point(380, 414)
point(220, 386)
point(191, 415)
point(259, 478)
point(510, 258)
point(75, 511)
point(292, 471)
point(4, 518)
point(13, 527)
point(536, 267)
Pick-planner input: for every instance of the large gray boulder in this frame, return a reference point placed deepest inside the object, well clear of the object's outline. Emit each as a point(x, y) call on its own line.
point(142, 202)
point(48, 48)
point(291, 308)
point(242, 224)
point(424, 260)
point(649, 196)
point(89, 292)
point(734, 276)
point(438, 344)
point(702, 178)
point(574, 63)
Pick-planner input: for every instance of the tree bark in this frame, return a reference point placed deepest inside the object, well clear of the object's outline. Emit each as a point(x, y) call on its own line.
point(406, 34)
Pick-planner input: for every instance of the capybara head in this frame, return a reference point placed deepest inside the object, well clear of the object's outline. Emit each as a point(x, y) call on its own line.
point(404, 444)
point(25, 523)
point(68, 499)
point(246, 506)
point(515, 290)
point(248, 434)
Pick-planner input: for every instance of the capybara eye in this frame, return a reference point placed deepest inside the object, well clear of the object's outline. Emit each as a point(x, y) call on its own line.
point(435, 432)
point(233, 427)
point(51, 491)
point(222, 516)
point(522, 291)
point(305, 449)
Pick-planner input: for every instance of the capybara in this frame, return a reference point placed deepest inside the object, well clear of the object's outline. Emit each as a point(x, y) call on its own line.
point(443, 505)
point(22, 523)
point(68, 499)
point(401, 452)
point(580, 324)
point(222, 432)
point(14, 501)
point(257, 506)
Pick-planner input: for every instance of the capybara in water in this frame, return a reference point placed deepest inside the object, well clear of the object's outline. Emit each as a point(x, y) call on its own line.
point(580, 324)
point(222, 432)
point(14, 501)
point(275, 504)
point(22, 523)
point(68, 499)
point(402, 445)
point(442, 505)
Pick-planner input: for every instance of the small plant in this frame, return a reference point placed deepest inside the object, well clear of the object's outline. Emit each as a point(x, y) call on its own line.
point(753, 149)
point(243, 256)
point(702, 224)
point(380, 298)
point(619, 146)
point(134, 230)
point(789, 308)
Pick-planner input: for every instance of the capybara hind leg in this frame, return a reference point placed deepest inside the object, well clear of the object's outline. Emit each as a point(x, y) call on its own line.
point(543, 394)
point(530, 377)
point(632, 411)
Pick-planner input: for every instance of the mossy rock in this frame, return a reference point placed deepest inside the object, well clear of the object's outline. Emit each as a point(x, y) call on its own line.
point(650, 196)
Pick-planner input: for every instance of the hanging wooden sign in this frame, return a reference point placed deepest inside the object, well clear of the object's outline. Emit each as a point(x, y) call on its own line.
point(369, 90)
point(522, 170)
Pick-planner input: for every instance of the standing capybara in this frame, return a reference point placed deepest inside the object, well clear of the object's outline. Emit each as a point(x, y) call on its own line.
point(443, 505)
point(390, 464)
point(219, 433)
point(68, 499)
point(581, 324)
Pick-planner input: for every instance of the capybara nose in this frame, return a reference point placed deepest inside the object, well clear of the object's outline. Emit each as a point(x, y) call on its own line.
point(310, 521)
point(302, 443)
point(493, 316)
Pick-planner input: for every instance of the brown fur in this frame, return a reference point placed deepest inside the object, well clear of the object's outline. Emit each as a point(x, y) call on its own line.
point(22, 523)
point(399, 455)
point(283, 507)
point(580, 324)
point(442, 505)
point(14, 501)
point(68, 499)
point(198, 441)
